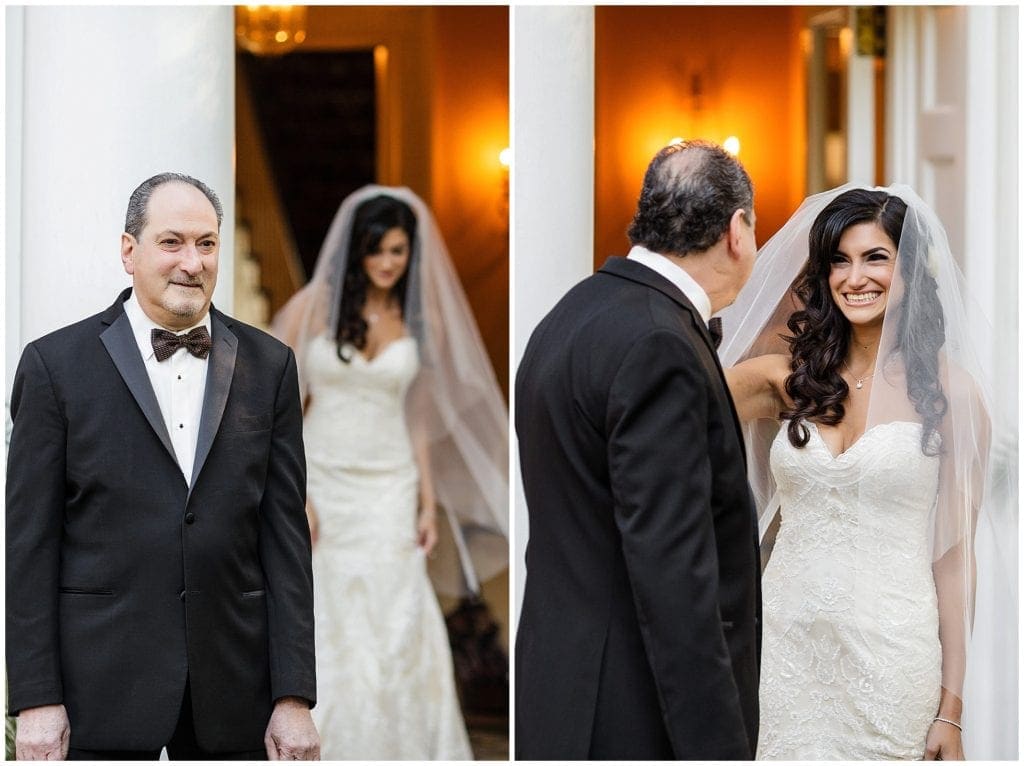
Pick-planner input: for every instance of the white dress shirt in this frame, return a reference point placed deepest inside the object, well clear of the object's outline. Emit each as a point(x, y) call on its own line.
point(178, 382)
point(677, 276)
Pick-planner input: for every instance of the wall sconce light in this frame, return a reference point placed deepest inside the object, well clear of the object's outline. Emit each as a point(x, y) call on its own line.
point(732, 145)
point(505, 160)
point(674, 141)
point(270, 30)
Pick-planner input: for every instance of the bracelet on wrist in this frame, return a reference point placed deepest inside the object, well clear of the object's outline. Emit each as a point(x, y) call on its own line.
point(951, 723)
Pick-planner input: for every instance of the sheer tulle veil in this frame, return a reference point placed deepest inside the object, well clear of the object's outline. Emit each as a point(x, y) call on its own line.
point(972, 527)
point(454, 405)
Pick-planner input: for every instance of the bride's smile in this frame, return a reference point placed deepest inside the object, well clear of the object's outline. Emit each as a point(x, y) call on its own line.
point(862, 299)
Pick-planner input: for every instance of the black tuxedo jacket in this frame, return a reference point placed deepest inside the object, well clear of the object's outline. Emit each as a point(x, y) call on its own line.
point(121, 581)
point(639, 634)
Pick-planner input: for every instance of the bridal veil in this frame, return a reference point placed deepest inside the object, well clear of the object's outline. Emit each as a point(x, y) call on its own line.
point(928, 372)
point(454, 404)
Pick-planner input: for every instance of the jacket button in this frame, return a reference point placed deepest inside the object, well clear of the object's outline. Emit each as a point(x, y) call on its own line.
point(182, 595)
point(190, 518)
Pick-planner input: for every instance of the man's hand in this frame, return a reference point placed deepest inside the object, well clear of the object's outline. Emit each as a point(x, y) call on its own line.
point(43, 734)
point(291, 734)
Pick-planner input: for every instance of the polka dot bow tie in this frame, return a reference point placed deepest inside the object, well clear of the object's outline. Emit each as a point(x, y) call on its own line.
point(165, 343)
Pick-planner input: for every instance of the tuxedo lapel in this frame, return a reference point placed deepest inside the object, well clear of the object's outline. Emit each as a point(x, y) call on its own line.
point(218, 383)
point(119, 341)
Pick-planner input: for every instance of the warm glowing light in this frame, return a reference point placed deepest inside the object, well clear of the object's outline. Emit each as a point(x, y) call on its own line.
point(806, 42)
point(731, 145)
point(845, 42)
point(270, 30)
point(674, 141)
point(505, 157)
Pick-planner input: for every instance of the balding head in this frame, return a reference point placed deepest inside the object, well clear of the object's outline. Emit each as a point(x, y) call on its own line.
point(690, 193)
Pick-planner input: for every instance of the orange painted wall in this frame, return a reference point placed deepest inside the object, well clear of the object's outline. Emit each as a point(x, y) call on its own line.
point(448, 103)
point(749, 65)
point(469, 128)
point(468, 62)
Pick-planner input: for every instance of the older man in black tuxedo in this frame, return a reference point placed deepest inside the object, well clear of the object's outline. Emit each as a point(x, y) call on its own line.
point(159, 590)
point(639, 634)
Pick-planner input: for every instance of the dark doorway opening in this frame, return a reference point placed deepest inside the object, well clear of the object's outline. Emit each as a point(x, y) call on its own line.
point(318, 117)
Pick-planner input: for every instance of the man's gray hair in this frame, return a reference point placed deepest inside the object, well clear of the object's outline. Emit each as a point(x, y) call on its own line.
point(690, 193)
point(135, 218)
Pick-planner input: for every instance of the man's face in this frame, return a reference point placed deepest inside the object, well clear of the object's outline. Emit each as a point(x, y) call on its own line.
point(173, 263)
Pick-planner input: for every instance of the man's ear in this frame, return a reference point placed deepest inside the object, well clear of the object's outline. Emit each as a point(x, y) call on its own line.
point(128, 245)
point(737, 227)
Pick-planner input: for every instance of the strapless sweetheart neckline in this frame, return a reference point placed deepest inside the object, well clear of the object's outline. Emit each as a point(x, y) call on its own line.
point(862, 437)
point(371, 359)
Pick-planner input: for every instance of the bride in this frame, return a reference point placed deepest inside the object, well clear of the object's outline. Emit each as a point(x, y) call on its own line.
point(406, 445)
point(867, 424)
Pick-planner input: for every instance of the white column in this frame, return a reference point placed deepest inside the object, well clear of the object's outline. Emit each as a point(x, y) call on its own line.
point(103, 98)
point(552, 185)
point(902, 97)
point(991, 269)
point(860, 113)
point(982, 164)
point(14, 26)
point(991, 199)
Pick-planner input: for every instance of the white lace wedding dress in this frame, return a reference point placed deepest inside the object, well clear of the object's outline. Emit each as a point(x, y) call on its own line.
point(851, 662)
point(385, 685)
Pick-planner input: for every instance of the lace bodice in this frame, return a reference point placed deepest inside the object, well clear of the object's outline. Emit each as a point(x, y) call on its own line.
point(857, 525)
point(851, 656)
point(356, 415)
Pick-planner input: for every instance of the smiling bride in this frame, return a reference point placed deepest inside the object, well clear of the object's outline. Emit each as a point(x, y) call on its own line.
point(868, 435)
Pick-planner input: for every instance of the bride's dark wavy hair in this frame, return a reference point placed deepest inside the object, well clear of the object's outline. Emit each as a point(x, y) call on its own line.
point(821, 334)
point(372, 220)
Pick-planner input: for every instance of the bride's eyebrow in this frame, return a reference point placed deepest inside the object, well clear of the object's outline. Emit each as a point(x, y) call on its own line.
point(872, 251)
